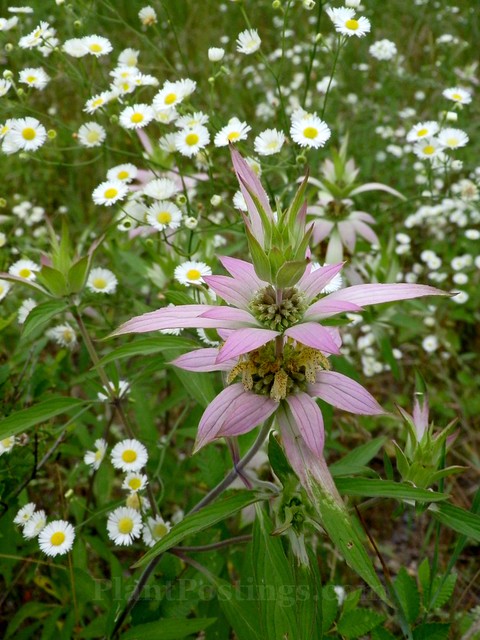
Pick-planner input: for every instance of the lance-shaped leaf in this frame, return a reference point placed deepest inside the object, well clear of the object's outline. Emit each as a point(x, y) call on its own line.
point(38, 413)
point(40, 315)
point(53, 280)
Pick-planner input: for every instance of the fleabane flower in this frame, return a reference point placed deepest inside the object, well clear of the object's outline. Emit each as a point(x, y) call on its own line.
point(191, 272)
point(129, 455)
point(7, 444)
point(383, 49)
point(101, 281)
point(164, 215)
point(427, 149)
point(123, 172)
point(172, 93)
point(160, 188)
point(97, 45)
point(344, 21)
point(64, 335)
point(269, 142)
point(451, 138)
point(24, 268)
point(56, 538)
point(94, 458)
point(25, 513)
point(98, 101)
point(109, 192)
point(5, 86)
point(137, 116)
point(4, 288)
point(457, 94)
point(154, 530)
point(423, 130)
point(34, 77)
point(35, 38)
point(308, 130)
point(26, 134)
point(148, 16)
point(124, 525)
point(234, 131)
point(248, 41)
point(128, 57)
point(91, 134)
point(35, 525)
point(215, 54)
point(135, 482)
point(191, 140)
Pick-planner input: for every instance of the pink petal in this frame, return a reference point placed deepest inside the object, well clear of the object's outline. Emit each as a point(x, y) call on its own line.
point(180, 317)
point(229, 315)
point(312, 282)
point(313, 335)
point(365, 231)
point(309, 420)
point(245, 413)
point(376, 186)
point(231, 290)
point(321, 229)
point(344, 393)
point(202, 360)
point(212, 419)
point(245, 340)
point(325, 308)
point(335, 248)
point(243, 271)
point(347, 234)
point(366, 294)
point(363, 216)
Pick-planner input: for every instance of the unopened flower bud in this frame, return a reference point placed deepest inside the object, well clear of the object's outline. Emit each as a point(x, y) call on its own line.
point(191, 222)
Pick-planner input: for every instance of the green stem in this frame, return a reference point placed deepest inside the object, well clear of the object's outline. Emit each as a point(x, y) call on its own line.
point(335, 60)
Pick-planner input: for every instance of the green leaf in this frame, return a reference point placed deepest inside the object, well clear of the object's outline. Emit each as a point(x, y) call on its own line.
point(424, 580)
point(77, 274)
point(431, 631)
point(295, 206)
point(199, 386)
point(30, 610)
point(460, 520)
point(26, 418)
point(308, 591)
point(278, 461)
point(354, 624)
point(442, 590)
point(329, 607)
point(168, 629)
point(40, 315)
point(203, 519)
point(407, 593)
point(382, 634)
point(240, 612)
point(53, 280)
point(290, 273)
point(260, 260)
point(147, 346)
point(373, 488)
point(356, 460)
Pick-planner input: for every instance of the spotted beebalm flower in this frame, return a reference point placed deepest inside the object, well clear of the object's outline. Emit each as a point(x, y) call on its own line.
point(232, 132)
point(109, 192)
point(25, 134)
point(123, 172)
point(137, 116)
point(164, 215)
point(24, 269)
point(135, 482)
point(129, 455)
point(154, 530)
point(124, 525)
point(190, 272)
point(94, 458)
point(91, 134)
point(101, 281)
point(457, 94)
point(452, 138)
point(4, 288)
point(269, 142)
point(308, 130)
point(248, 41)
point(423, 130)
point(34, 77)
point(7, 444)
point(34, 525)
point(25, 513)
point(344, 21)
point(56, 538)
point(191, 140)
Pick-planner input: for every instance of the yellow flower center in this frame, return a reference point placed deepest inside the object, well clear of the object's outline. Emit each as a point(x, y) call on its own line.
point(122, 175)
point(164, 217)
point(125, 525)
point(28, 133)
point(7, 442)
point(99, 283)
point(194, 274)
point(1, 291)
point(31, 78)
point(97, 102)
point(428, 150)
point(159, 530)
point(93, 136)
point(192, 139)
point(233, 135)
point(170, 98)
point(110, 193)
point(135, 484)
point(452, 142)
point(457, 96)
point(57, 538)
point(98, 455)
point(137, 117)
point(352, 24)
point(25, 272)
point(68, 335)
point(125, 86)
point(95, 48)
point(310, 132)
point(422, 132)
point(129, 455)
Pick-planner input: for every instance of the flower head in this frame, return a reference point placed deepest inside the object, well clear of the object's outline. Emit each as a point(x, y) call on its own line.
point(154, 530)
point(135, 482)
point(190, 140)
point(94, 458)
point(137, 116)
point(269, 142)
point(102, 281)
point(25, 513)
point(34, 525)
point(308, 130)
point(129, 455)
point(344, 21)
point(190, 272)
point(164, 215)
point(91, 134)
point(4, 288)
point(248, 41)
point(34, 77)
point(123, 172)
point(234, 131)
point(56, 538)
point(7, 444)
point(457, 94)
point(24, 269)
point(124, 525)
point(109, 192)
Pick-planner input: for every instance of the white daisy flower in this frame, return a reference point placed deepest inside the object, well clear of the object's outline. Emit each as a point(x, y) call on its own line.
point(423, 130)
point(91, 134)
point(154, 530)
point(308, 130)
point(25, 308)
point(128, 57)
point(160, 189)
point(167, 143)
point(121, 389)
point(109, 192)
point(64, 335)
point(457, 94)
point(97, 45)
point(269, 142)
point(4, 288)
point(123, 172)
point(164, 215)
point(97, 102)
point(172, 93)
point(427, 149)
point(27, 134)
point(34, 77)
point(191, 120)
point(166, 116)
point(5, 86)
point(190, 141)
point(124, 525)
point(344, 21)
point(25, 513)
point(452, 138)
point(191, 272)
point(430, 343)
point(215, 54)
point(383, 49)
point(56, 538)
point(137, 116)
point(8, 23)
point(232, 132)
point(129, 455)
point(24, 268)
point(248, 41)
point(94, 458)
point(135, 482)
point(239, 201)
point(122, 86)
point(101, 281)
point(7, 444)
point(34, 525)
point(75, 47)
point(34, 39)
point(147, 16)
